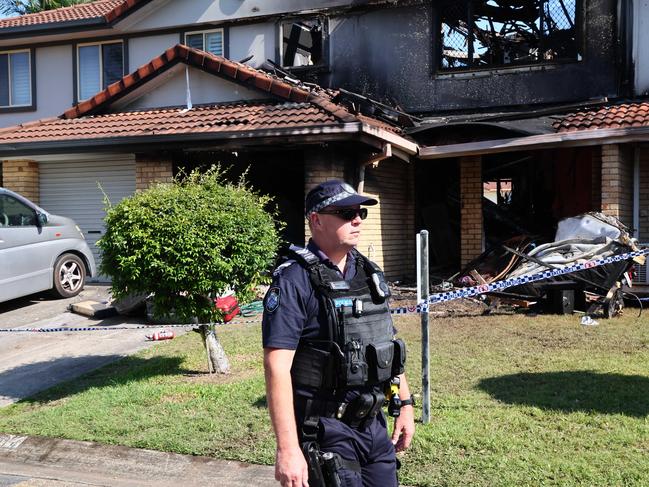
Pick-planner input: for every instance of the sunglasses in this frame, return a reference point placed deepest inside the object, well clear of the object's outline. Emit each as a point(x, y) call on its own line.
point(347, 213)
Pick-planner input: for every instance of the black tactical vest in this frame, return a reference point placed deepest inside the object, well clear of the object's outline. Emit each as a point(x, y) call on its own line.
point(357, 348)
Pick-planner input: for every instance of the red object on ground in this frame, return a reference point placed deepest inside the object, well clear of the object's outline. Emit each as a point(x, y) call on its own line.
point(229, 306)
point(161, 335)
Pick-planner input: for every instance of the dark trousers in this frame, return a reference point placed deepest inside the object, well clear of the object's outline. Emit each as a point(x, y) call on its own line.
point(370, 447)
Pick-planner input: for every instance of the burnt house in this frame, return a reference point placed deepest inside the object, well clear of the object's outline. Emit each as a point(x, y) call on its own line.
point(536, 103)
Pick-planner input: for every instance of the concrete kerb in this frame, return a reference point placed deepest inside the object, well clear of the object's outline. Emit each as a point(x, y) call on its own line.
point(93, 464)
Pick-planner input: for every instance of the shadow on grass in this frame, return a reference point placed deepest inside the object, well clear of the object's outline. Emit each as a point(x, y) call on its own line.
point(67, 376)
point(261, 403)
point(573, 391)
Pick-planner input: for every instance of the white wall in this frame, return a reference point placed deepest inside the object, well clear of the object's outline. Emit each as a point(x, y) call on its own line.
point(142, 49)
point(179, 12)
point(53, 86)
point(205, 88)
point(258, 40)
point(641, 46)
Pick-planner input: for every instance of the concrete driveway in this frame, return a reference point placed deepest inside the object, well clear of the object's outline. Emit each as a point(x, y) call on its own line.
point(31, 362)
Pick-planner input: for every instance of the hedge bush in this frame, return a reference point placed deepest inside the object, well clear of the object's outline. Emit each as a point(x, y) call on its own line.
point(188, 241)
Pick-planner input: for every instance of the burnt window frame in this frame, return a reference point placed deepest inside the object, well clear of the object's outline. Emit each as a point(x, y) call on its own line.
point(438, 43)
point(324, 61)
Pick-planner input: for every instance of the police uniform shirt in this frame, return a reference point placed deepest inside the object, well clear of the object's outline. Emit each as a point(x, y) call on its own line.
point(291, 307)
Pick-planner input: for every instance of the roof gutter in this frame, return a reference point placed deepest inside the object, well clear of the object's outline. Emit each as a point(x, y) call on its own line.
point(581, 138)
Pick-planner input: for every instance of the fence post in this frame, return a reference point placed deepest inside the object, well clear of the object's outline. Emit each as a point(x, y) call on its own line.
point(418, 247)
point(422, 251)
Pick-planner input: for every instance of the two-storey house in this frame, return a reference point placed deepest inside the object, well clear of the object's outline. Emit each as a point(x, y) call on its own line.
point(105, 98)
point(541, 98)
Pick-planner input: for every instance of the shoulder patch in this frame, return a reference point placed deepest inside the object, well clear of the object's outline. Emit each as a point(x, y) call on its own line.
point(271, 301)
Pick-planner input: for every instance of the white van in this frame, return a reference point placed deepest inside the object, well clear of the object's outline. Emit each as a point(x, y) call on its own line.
point(39, 251)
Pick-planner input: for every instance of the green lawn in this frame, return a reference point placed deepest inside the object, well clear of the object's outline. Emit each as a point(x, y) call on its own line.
point(516, 400)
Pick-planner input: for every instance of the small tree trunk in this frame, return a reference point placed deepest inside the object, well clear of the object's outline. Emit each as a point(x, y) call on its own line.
point(217, 360)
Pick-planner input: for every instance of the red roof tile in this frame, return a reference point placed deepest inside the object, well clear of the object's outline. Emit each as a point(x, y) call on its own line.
point(108, 10)
point(615, 116)
point(297, 106)
point(229, 117)
point(219, 66)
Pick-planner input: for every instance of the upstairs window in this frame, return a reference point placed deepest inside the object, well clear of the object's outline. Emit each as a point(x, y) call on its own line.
point(15, 79)
point(208, 41)
point(99, 66)
point(302, 42)
point(483, 34)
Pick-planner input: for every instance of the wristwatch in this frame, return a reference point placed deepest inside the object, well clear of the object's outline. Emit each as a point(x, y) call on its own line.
point(408, 402)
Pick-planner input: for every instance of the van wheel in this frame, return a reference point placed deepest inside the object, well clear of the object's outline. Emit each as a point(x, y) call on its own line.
point(69, 276)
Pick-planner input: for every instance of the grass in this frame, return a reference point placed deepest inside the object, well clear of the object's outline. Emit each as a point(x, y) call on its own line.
point(515, 400)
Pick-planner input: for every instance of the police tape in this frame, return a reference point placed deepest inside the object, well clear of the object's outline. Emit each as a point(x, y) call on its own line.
point(468, 292)
point(61, 329)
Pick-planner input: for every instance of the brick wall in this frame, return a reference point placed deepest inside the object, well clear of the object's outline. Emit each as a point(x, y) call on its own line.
point(150, 170)
point(320, 165)
point(471, 225)
point(388, 233)
point(617, 182)
point(22, 177)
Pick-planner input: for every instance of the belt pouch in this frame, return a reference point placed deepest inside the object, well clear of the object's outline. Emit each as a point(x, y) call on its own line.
point(399, 360)
point(355, 366)
point(379, 360)
point(364, 407)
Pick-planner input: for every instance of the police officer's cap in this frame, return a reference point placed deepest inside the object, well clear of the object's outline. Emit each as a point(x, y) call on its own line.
point(334, 193)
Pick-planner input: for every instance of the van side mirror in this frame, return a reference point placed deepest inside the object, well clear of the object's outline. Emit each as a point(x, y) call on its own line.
point(41, 218)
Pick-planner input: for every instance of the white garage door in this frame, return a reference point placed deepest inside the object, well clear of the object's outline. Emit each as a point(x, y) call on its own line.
point(71, 187)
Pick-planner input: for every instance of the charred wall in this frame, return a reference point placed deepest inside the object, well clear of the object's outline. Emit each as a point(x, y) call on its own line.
point(392, 54)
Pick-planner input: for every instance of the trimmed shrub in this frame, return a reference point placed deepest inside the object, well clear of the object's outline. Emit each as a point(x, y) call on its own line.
point(188, 241)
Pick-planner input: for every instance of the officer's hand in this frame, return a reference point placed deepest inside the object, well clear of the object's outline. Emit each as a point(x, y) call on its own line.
point(291, 468)
point(404, 428)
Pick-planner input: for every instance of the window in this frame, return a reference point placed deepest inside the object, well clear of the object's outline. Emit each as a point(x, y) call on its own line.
point(209, 41)
point(302, 42)
point(478, 34)
point(15, 79)
point(14, 213)
point(99, 65)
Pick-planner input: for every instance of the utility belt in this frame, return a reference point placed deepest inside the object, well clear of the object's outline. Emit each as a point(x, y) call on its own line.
point(354, 413)
point(323, 365)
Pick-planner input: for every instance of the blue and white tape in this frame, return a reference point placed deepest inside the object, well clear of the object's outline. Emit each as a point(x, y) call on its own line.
point(468, 292)
point(61, 329)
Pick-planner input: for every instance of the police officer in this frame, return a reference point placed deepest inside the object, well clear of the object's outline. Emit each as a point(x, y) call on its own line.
point(330, 357)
